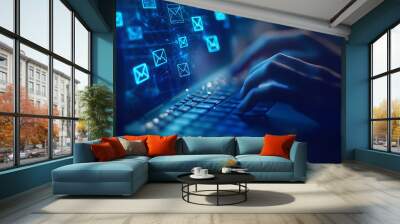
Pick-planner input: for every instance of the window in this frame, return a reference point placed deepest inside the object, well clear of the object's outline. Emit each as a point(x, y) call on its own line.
point(6, 142)
point(3, 61)
point(33, 140)
point(385, 91)
point(49, 79)
point(30, 87)
point(7, 14)
point(81, 45)
point(38, 73)
point(62, 137)
point(37, 89)
point(62, 74)
point(6, 69)
point(3, 78)
point(62, 29)
point(30, 72)
point(3, 72)
point(81, 81)
point(35, 21)
point(44, 91)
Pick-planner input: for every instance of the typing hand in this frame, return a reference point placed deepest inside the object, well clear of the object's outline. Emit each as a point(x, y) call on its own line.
point(296, 43)
point(283, 78)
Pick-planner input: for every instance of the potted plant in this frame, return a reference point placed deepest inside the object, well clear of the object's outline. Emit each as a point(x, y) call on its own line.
point(96, 103)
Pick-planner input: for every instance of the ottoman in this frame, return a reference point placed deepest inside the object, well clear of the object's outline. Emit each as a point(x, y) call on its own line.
point(119, 177)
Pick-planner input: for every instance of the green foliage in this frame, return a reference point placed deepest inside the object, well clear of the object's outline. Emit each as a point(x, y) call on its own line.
point(96, 102)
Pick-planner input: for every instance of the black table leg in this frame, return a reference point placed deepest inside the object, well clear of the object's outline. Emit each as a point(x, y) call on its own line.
point(196, 187)
point(188, 190)
point(245, 194)
point(217, 194)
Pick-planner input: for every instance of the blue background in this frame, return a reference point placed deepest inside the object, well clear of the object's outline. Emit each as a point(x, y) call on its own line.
point(235, 35)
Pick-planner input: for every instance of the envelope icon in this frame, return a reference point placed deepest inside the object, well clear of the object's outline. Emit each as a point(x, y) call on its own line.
point(159, 57)
point(183, 42)
point(175, 12)
point(219, 15)
point(119, 21)
point(197, 23)
point(183, 69)
point(141, 73)
point(135, 32)
point(212, 43)
point(149, 4)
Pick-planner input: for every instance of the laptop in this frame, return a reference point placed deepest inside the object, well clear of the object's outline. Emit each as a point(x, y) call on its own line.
point(204, 102)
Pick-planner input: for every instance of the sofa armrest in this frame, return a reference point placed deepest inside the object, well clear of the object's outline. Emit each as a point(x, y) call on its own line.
point(83, 152)
point(298, 155)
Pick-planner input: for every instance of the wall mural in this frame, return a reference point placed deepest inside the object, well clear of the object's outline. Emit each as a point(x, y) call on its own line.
point(193, 72)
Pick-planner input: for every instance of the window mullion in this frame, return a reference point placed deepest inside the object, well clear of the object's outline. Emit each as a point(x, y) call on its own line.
point(73, 82)
point(50, 79)
point(389, 106)
point(16, 85)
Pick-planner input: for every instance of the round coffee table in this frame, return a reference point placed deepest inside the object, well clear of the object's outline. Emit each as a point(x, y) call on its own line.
point(238, 179)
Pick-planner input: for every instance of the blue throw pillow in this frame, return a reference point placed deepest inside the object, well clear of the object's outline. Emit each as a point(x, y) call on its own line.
point(208, 145)
point(249, 145)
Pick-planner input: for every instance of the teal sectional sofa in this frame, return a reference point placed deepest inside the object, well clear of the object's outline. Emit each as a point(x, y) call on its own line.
point(125, 176)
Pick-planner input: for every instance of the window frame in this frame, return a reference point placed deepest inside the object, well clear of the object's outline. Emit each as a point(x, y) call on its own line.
point(16, 114)
point(388, 74)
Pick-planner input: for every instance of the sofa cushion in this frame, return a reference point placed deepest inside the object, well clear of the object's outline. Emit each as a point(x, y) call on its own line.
point(257, 163)
point(249, 145)
point(103, 152)
point(135, 147)
point(112, 171)
point(161, 145)
point(83, 152)
point(135, 137)
point(185, 163)
point(277, 145)
point(208, 145)
point(116, 145)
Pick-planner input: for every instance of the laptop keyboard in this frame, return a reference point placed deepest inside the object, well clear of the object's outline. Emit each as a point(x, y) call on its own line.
point(207, 112)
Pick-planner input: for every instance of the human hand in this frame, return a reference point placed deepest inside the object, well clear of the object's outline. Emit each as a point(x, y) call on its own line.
point(283, 78)
point(296, 43)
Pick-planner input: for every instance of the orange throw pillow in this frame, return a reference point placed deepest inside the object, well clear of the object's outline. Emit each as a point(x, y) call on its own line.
point(277, 145)
point(116, 145)
point(135, 137)
point(161, 145)
point(103, 152)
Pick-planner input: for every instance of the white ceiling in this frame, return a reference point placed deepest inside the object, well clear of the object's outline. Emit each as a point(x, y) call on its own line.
point(319, 9)
point(315, 15)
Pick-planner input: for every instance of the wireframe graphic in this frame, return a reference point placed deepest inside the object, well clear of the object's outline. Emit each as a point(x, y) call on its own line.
point(141, 73)
point(134, 32)
point(219, 16)
point(159, 57)
point(212, 43)
point(149, 4)
point(175, 12)
point(197, 23)
point(182, 41)
point(119, 21)
point(183, 69)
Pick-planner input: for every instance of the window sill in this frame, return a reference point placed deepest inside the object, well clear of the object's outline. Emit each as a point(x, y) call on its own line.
point(390, 161)
point(25, 167)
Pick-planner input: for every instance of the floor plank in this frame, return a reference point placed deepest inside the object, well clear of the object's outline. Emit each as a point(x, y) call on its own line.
point(376, 189)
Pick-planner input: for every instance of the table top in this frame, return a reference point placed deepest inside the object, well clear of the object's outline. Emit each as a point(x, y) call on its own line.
point(220, 178)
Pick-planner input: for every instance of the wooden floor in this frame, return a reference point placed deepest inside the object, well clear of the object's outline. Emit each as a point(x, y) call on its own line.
point(378, 189)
